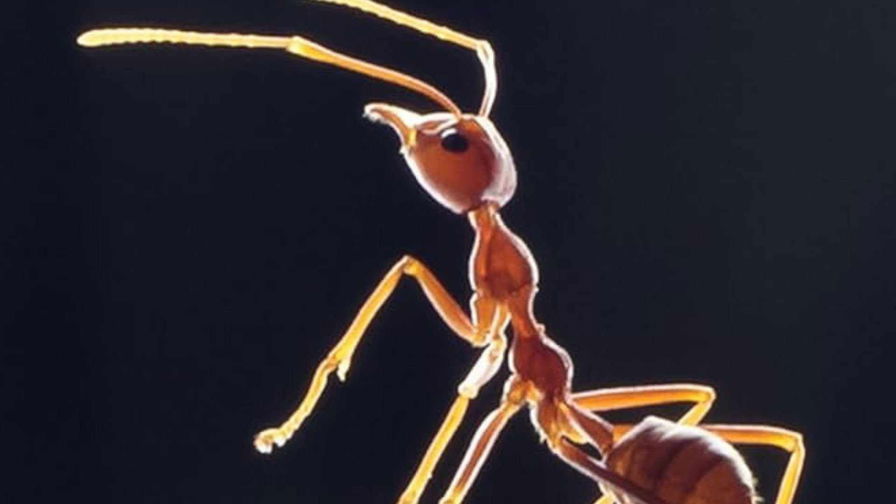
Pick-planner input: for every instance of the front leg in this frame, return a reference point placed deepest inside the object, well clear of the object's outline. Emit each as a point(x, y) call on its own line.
point(339, 358)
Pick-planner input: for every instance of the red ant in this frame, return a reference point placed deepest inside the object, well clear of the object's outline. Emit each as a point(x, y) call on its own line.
point(462, 161)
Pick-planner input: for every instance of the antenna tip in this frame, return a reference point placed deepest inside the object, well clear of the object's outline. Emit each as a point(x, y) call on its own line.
point(90, 38)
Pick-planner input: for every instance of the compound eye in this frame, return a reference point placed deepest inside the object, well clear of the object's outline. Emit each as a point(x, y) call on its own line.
point(452, 141)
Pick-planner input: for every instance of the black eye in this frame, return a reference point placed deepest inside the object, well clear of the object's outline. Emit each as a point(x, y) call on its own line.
point(452, 141)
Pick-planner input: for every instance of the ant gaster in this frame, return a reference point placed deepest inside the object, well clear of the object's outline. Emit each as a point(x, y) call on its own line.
point(462, 161)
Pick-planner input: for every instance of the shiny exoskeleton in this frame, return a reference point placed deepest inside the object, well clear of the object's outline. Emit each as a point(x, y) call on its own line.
point(462, 161)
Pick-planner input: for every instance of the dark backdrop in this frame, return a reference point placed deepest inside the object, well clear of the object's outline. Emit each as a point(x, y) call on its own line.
point(708, 188)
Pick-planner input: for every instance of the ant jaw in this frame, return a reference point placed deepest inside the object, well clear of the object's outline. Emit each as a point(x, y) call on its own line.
point(403, 121)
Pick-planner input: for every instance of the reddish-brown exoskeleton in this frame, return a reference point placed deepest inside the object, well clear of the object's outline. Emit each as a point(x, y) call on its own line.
point(463, 163)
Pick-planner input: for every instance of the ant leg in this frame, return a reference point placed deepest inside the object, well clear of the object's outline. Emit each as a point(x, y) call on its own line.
point(597, 471)
point(484, 440)
point(339, 358)
point(597, 431)
point(604, 499)
point(649, 395)
point(486, 366)
point(787, 440)
point(411, 494)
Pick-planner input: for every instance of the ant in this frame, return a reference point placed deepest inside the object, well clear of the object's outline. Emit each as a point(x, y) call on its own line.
point(462, 161)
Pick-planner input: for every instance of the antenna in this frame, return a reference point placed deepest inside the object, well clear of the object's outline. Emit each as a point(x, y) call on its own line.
point(483, 49)
point(299, 46)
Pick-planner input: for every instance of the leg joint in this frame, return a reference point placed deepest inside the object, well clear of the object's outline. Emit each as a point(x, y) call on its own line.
point(797, 443)
point(701, 393)
point(410, 265)
point(484, 50)
point(516, 391)
point(709, 394)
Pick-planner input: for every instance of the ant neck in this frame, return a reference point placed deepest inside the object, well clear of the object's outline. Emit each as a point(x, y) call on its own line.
point(485, 216)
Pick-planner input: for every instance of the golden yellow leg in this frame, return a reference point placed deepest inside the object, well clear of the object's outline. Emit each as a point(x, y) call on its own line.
point(424, 471)
point(647, 395)
point(774, 436)
point(604, 499)
point(339, 358)
point(650, 395)
point(483, 441)
point(485, 368)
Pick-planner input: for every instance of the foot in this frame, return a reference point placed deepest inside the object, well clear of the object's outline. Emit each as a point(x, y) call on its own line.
point(409, 498)
point(266, 439)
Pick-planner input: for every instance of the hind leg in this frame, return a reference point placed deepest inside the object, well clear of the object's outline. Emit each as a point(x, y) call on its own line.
point(650, 395)
point(647, 395)
point(787, 440)
point(483, 441)
point(604, 499)
point(597, 471)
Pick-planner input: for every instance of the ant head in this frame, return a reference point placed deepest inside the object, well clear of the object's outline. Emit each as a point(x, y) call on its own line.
point(461, 160)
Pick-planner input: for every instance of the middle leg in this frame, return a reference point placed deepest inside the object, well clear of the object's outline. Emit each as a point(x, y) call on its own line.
point(486, 366)
point(514, 396)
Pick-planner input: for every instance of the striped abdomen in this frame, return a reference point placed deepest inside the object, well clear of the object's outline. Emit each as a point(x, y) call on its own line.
point(681, 465)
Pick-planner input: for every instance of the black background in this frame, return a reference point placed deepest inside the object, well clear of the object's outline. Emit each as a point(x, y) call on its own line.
point(708, 188)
